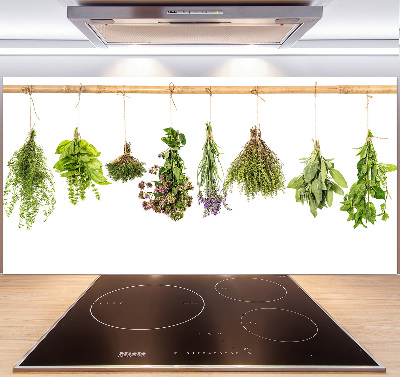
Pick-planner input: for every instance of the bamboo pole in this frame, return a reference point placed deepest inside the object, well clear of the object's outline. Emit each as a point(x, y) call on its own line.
point(339, 89)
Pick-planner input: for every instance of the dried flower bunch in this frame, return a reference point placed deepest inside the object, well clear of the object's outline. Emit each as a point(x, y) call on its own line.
point(125, 167)
point(318, 181)
point(171, 192)
point(79, 164)
point(208, 179)
point(257, 169)
point(371, 183)
point(29, 181)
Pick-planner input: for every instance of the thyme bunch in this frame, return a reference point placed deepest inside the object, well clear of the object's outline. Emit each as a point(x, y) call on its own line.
point(79, 164)
point(257, 169)
point(371, 183)
point(208, 179)
point(125, 167)
point(29, 181)
point(171, 192)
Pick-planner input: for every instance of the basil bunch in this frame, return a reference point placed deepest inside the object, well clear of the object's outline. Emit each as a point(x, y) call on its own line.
point(29, 181)
point(78, 163)
point(371, 183)
point(315, 185)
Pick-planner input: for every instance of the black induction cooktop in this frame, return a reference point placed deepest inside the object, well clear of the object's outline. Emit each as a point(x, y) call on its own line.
point(197, 322)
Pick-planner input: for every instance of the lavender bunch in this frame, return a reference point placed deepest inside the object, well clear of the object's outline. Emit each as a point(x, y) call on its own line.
point(210, 194)
point(212, 201)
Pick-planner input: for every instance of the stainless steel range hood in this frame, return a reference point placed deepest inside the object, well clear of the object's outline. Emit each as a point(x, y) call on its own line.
point(116, 26)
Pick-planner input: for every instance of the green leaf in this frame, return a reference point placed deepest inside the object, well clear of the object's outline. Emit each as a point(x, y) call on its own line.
point(329, 197)
point(62, 146)
point(336, 188)
point(323, 170)
point(182, 138)
point(97, 177)
point(177, 173)
point(363, 151)
point(385, 168)
point(94, 163)
point(317, 190)
point(312, 208)
point(296, 182)
point(69, 173)
point(310, 170)
point(338, 177)
point(377, 193)
point(92, 150)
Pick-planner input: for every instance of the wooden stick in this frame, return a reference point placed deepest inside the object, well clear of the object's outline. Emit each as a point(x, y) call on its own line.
point(339, 89)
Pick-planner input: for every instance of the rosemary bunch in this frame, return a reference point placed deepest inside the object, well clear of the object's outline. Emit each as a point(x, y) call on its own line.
point(29, 181)
point(208, 179)
point(257, 169)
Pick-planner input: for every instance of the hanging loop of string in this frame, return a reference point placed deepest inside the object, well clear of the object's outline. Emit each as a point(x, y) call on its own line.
point(124, 96)
point(367, 107)
point(315, 116)
point(209, 91)
point(255, 91)
point(78, 106)
point(171, 101)
point(29, 90)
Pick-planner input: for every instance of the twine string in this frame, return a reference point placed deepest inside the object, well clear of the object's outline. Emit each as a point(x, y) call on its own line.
point(255, 91)
point(315, 114)
point(209, 91)
point(31, 104)
point(78, 105)
point(171, 101)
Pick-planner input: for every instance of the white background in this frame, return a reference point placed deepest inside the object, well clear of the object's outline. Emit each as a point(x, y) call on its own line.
point(275, 235)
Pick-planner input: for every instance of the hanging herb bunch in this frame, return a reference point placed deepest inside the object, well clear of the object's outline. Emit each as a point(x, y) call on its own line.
point(318, 181)
point(171, 192)
point(257, 169)
point(125, 167)
point(371, 183)
point(29, 181)
point(79, 164)
point(210, 194)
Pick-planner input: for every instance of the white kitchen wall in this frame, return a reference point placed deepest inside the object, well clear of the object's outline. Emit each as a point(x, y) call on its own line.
point(262, 236)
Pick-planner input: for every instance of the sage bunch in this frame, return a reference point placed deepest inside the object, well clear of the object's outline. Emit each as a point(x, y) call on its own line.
point(208, 178)
point(257, 169)
point(79, 164)
point(371, 184)
point(125, 167)
point(29, 181)
point(318, 181)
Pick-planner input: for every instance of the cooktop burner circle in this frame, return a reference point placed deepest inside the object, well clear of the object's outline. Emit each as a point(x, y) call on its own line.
point(251, 289)
point(279, 325)
point(147, 307)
